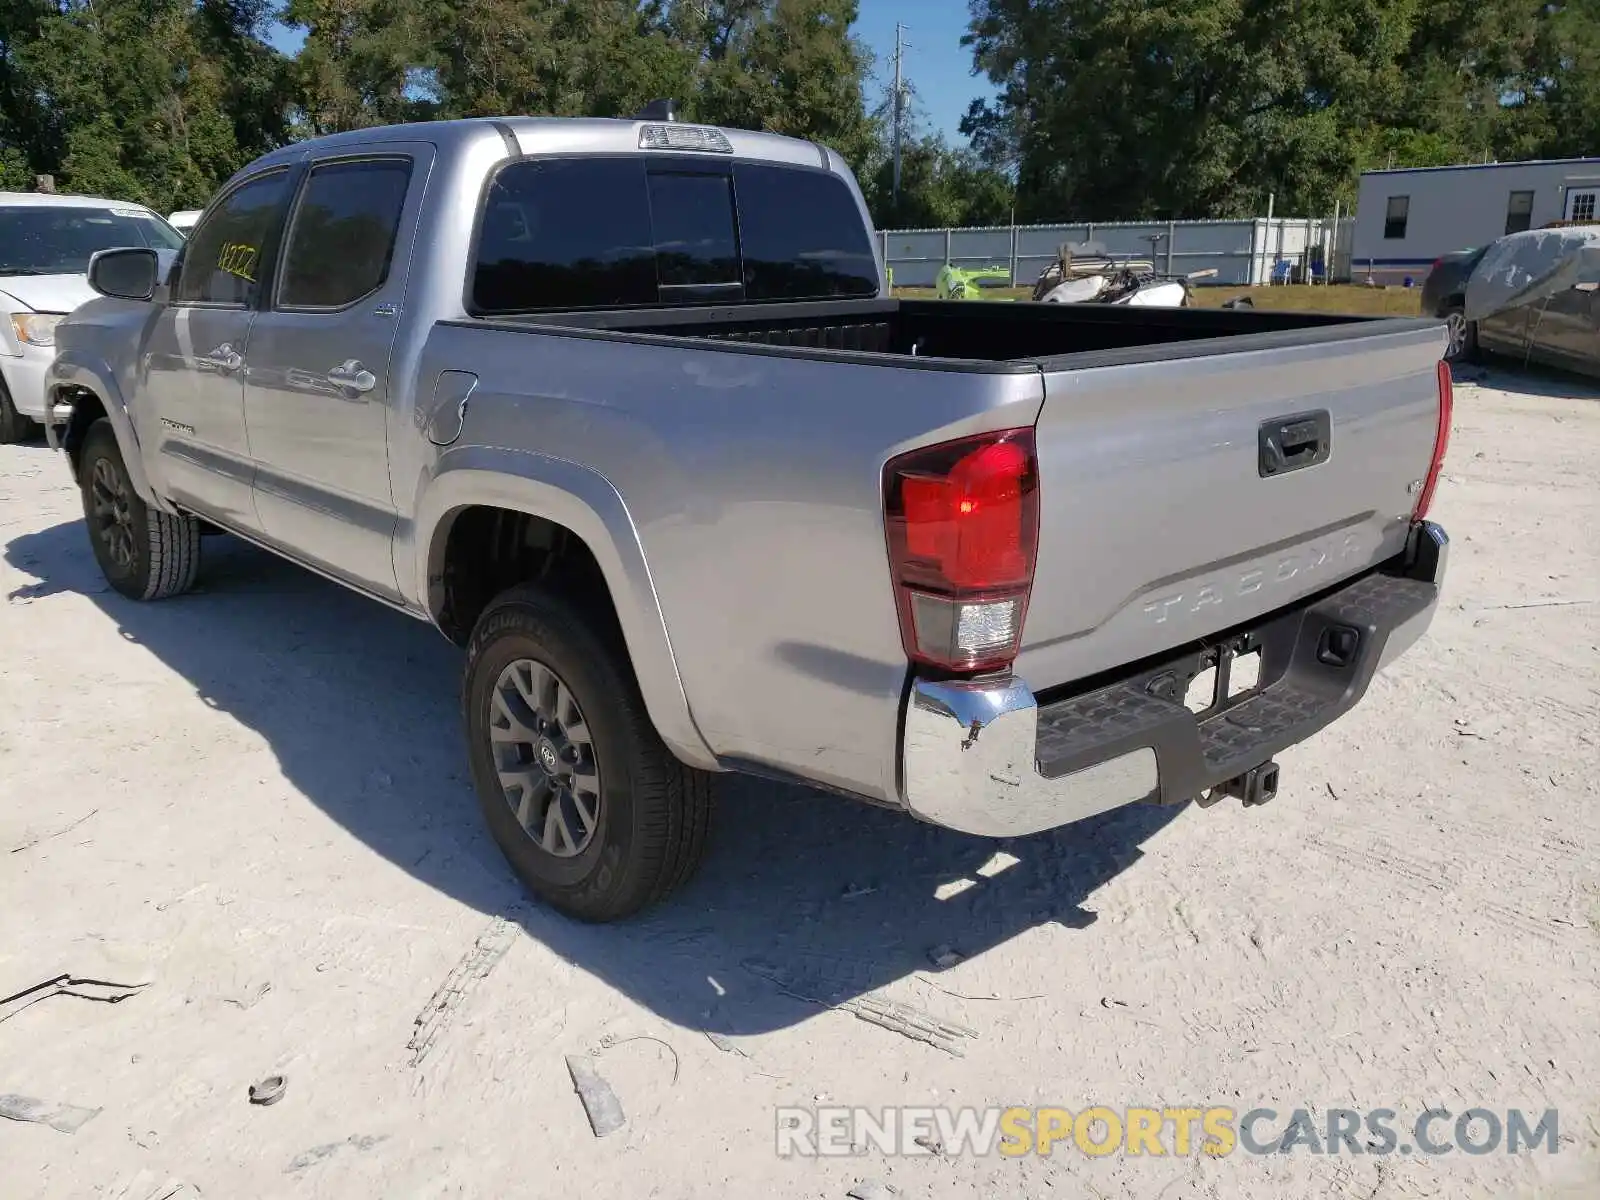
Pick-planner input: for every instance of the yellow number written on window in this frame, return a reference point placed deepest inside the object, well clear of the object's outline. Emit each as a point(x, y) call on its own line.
point(239, 259)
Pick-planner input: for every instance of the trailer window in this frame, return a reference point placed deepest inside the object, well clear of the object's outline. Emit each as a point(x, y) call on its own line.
point(1395, 216)
point(1519, 212)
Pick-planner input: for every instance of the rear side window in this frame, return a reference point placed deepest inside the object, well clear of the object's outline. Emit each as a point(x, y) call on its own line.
point(565, 234)
point(222, 260)
point(638, 232)
point(341, 240)
point(802, 236)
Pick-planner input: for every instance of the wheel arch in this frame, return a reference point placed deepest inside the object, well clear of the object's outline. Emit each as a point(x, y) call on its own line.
point(550, 500)
point(90, 387)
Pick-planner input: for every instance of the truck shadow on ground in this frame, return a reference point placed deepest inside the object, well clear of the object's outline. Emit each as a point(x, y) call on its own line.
point(805, 898)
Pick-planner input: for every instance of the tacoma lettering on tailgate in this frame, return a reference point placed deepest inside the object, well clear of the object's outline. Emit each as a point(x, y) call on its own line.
point(1296, 565)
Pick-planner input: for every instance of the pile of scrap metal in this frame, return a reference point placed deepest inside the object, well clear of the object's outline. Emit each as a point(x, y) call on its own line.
point(1086, 273)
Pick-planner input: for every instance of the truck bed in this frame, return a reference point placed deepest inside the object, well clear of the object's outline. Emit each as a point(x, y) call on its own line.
point(979, 336)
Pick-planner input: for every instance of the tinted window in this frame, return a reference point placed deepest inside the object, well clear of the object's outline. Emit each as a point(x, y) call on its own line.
point(635, 232)
point(802, 236)
point(222, 261)
point(341, 239)
point(1395, 215)
point(43, 240)
point(566, 234)
point(691, 217)
point(1519, 212)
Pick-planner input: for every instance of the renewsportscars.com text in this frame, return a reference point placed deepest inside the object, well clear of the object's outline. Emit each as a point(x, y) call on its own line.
point(1099, 1131)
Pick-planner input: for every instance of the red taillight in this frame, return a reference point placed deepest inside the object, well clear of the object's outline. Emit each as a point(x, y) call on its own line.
point(963, 523)
point(1441, 443)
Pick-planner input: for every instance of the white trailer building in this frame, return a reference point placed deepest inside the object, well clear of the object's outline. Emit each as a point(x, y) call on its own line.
point(1407, 218)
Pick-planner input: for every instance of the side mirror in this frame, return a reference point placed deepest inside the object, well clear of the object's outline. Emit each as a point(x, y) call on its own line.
point(130, 274)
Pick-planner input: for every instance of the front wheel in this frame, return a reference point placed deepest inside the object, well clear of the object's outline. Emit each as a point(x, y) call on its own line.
point(1463, 344)
point(144, 553)
point(585, 801)
point(14, 427)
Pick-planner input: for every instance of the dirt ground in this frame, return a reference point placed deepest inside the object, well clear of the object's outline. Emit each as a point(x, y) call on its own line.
point(253, 801)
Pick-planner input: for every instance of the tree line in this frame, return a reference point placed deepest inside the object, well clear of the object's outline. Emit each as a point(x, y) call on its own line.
point(1105, 109)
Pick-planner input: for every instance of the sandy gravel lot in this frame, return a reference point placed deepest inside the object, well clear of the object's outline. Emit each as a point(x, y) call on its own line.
point(253, 800)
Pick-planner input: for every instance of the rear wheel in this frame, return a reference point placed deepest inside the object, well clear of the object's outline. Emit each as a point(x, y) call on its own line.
point(585, 801)
point(14, 427)
point(1463, 344)
point(144, 553)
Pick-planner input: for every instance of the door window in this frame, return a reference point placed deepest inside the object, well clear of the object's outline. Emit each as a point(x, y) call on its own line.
point(1395, 216)
point(342, 235)
point(1519, 212)
point(222, 261)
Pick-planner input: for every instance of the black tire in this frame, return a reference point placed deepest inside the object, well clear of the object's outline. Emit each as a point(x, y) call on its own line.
point(1462, 348)
point(649, 830)
point(14, 427)
point(144, 553)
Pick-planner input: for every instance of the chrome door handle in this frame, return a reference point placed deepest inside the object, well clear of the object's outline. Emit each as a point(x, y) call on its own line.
point(224, 358)
point(351, 376)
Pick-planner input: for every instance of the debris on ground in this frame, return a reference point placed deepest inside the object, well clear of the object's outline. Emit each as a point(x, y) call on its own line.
point(855, 892)
point(724, 1043)
point(143, 1185)
point(310, 1158)
point(101, 991)
point(269, 1091)
point(474, 965)
point(68, 1118)
point(944, 957)
point(250, 996)
point(599, 1101)
point(910, 1021)
point(31, 842)
point(873, 1189)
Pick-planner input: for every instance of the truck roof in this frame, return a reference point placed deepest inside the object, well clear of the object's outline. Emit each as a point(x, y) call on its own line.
point(556, 135)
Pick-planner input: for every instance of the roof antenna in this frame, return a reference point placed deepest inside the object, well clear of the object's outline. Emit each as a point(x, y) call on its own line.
point(658, 110)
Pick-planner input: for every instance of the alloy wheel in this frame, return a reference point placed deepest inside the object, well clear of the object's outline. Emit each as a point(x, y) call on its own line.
point(544, 754)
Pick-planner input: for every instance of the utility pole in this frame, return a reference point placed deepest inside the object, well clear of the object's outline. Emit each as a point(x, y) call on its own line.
point(899, 102)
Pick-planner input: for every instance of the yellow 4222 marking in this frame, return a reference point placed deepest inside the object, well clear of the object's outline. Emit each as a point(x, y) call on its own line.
point(239, 259)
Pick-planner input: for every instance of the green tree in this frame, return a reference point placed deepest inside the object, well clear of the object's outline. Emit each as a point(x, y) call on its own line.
point(149, 100)
point(1190, 108)
point(785, 66)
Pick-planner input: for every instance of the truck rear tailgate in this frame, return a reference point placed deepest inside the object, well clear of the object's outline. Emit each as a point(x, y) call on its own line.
point(1193, 493)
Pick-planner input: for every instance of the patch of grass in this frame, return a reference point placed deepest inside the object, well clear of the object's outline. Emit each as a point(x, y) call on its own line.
point(1343, 298)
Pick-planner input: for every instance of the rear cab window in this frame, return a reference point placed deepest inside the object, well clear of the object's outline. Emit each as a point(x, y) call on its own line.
point(637, 232)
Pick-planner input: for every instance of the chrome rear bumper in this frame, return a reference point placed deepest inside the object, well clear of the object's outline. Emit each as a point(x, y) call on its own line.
point(984, 757)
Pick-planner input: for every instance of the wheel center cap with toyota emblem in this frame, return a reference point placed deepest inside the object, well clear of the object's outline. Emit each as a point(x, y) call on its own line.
point(549, 760)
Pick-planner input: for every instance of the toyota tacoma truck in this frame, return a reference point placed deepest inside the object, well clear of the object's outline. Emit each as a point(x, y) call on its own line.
point(625, 409)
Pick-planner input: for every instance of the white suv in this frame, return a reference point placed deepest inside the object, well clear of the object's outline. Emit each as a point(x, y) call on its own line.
point(45, 244)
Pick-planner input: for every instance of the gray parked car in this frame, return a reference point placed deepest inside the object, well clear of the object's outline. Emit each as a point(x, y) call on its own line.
point(1528, 297)
point(625, 409)
point(1444, 295)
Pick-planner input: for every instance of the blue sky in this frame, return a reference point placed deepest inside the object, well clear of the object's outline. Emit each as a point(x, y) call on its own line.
point(936, 62)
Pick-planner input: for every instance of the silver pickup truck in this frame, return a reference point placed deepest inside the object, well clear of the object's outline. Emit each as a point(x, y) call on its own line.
point(626, 409)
